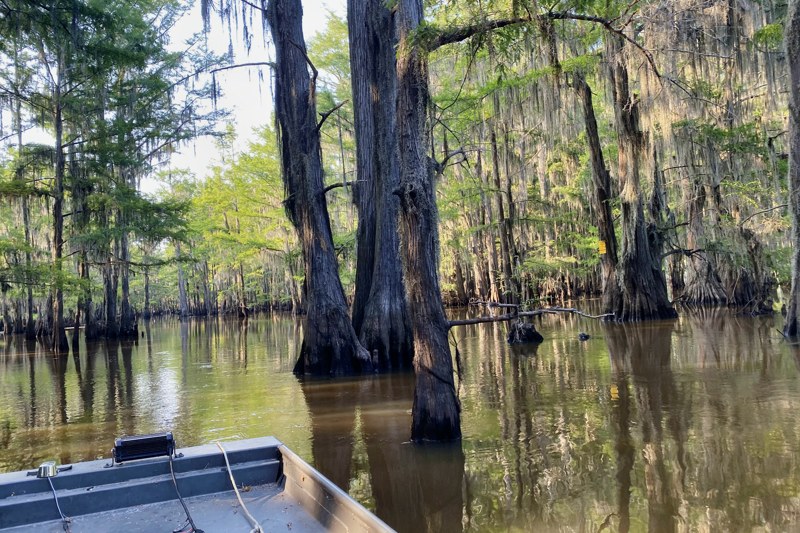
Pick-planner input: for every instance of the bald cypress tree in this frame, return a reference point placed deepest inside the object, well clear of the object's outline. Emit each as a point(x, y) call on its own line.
point(330, 345)
point(379, 310)
point(792, 37)
point(436, 414)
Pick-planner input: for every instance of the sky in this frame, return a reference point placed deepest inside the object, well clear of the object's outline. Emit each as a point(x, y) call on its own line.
point(249, 101)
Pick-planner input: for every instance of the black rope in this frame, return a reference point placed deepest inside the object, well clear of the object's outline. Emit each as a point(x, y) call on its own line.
point(189, 521)
point(64, 519)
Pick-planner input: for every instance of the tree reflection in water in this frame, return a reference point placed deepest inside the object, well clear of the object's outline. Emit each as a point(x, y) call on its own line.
point(686, 425)
point(643, 352)
point(414, 488)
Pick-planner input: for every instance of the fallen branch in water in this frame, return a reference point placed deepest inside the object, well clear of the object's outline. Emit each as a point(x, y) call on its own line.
point(492, 304)
point(536, 312)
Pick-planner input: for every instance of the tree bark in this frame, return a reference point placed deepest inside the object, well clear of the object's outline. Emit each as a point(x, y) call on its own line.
point(127, 321)
point(702, 284)
point(110, 297)
point(242, 294)
point(509, 293)
point(379, 310)
point(58, 341)
point(490, 240)
point(146, 308)
point(206, 290)
point(30, 330)
point(601, 190)
point(436, 413)
point(641, 290)
point(330, 345)
point(792, 326)
point(183, 300)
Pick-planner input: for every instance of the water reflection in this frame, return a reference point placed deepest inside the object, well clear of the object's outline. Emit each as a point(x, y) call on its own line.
point(685, 425)
point(331, 407)
point(394, 477)
point(644, 352)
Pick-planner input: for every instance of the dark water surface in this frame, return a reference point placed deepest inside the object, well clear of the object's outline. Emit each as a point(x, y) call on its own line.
point(684, 425)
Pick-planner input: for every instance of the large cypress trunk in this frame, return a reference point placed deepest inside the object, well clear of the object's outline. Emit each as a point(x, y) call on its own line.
point(379, 309)
point(330, 345)
point(640, 292)
point(703, 286)
point(792, 326)
point(436, 414)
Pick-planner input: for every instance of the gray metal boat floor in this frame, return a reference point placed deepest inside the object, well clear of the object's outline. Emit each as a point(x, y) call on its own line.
point(213, 513)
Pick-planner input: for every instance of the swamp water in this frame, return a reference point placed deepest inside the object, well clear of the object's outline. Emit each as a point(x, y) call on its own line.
point(673, 426)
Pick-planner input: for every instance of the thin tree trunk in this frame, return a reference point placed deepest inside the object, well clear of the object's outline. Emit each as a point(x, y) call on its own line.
point(146, 309)
point(461, 292)
point(242, 295)
point(8, 329)
point(206, 290)
point(79, 222)
point(58, 341)
point(30, 329)
point(509, 295)
point(110, 297)
point(792, 326)
point(489, 232)
point(127, 322)
point(601, 190)
point(183, 301)
point(436, 413)
point(330, 345)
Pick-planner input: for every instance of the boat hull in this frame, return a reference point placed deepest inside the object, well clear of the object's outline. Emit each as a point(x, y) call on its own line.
point(281, 491)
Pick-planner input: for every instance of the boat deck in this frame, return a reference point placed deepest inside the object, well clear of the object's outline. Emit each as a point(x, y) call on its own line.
point(274, 510)
point(280, 490)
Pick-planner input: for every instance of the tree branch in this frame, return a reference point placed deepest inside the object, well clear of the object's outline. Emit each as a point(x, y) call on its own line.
point(608, 25)
point(537, 312)
point(456, 35)
point(326, 114)
point(742, 223)
point(242, 65)
point(254, 6)
point(688, 252)
point(340, 184)
point(439, 166)
point(314, 70)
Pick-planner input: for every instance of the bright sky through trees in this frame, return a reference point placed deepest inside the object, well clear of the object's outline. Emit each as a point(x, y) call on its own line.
point(246, 96)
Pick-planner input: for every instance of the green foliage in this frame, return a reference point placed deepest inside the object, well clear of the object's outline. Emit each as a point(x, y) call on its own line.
point(769, 37)
point(747, 138)
point(583, 64)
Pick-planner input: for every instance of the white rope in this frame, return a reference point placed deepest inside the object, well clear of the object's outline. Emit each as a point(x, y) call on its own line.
point(253, 521)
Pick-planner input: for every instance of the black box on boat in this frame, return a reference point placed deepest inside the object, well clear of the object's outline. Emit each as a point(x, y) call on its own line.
point(143, 447)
